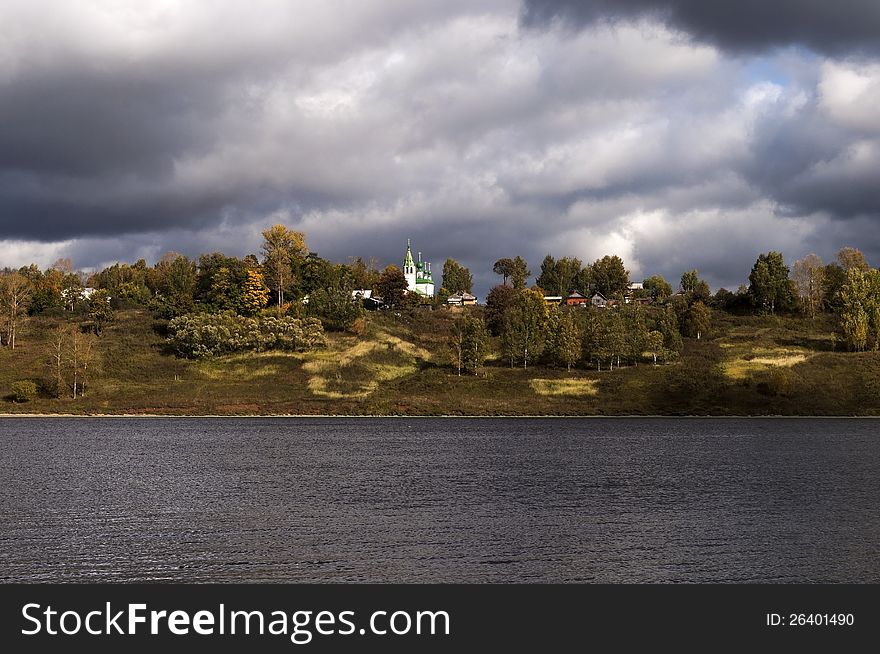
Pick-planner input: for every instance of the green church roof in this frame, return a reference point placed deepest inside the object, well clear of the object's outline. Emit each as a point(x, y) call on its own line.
point(409, 260)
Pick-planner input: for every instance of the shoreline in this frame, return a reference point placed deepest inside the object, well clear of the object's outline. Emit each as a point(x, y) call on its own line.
point(251, 416)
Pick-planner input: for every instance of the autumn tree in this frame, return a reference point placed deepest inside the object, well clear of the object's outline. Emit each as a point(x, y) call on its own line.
point(256, 293)
point(15, 293)
point(849, 258)
point(809, 278)
point(392, 286)
point(281, 249)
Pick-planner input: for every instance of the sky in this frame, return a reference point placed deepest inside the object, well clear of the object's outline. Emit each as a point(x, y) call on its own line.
point(676, 134)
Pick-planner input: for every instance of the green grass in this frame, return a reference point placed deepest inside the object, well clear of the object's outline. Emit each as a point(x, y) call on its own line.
point(752, 365)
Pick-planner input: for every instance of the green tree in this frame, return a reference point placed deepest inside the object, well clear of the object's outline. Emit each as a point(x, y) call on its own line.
point(176, 278)
point(503, 267)
point(689, 280)
point(609, 276)
point(524, 331)
point(770, 286)
point(100, 310)
point(635, 331)
point(668, 326)
point(456, 279)
point(499, 300)
point(856, 308)
point(849, 258)
point(476, 343)
point(657, 287)
point(566, 340)
point(548, 278)
point(519, 273)
point(392, 286)
point(698, 320)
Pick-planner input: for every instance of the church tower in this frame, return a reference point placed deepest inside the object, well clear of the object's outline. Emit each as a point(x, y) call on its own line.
point(418, 275)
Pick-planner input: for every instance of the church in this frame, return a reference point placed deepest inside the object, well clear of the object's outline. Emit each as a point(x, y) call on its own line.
point(418, 275)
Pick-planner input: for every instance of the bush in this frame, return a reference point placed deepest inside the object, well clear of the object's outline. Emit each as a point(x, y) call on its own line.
point(24, 391)
point(199, 335)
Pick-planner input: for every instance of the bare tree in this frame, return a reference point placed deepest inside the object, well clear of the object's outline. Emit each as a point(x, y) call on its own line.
point(809, 275)
point(15, 291)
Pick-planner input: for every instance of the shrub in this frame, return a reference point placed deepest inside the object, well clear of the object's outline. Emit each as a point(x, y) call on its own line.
point(200, 335)
point(24, 391)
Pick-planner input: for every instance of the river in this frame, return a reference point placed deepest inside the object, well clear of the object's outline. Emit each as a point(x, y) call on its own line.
point(439, 500)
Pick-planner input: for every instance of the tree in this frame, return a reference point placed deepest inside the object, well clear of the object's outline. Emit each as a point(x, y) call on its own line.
point(658, 287)
point(689, 280)
point(15, 292)
point(256, 293)
point(281, 248)
point(57, 349)
point(519, 273)
point(392, 286)
point(566, 340)
point(548, 278)
point(365, 274)
point(857, 307)
point(499, 300)
point(635, 331)
point(849, 258)
point(609, 276)
point(654, 345)
point(476, 345)
point(503, 267)
point(100, 311)
point(468, 343)
point(696, 289)
point(809, 278)
point(524, 330)
point(668, 326)
point(769, 283)
point(175, 282)
point(456, 279)
point(698, 319)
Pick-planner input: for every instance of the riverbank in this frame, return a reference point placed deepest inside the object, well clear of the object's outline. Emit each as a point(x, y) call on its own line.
point(745, 366)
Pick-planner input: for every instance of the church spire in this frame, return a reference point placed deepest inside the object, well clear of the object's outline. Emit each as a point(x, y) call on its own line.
point(408, 262)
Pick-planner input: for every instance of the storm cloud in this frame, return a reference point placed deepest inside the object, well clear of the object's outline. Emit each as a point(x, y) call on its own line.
point(671, 135)
point(839, 27)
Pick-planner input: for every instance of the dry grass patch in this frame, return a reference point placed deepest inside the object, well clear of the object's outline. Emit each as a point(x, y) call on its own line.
point(762, 359)
point(565, 386)
point(355, 371)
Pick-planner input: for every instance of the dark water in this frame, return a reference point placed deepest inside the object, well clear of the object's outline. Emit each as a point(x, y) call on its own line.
point(475, 500)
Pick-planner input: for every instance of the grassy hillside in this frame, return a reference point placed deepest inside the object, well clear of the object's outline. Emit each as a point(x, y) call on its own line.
point(745, 366)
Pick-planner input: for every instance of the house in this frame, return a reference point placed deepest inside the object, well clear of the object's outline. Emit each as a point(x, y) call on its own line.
point(362, 294)
point(576, 299)
point(461, 299)
point(552, 299)
point(599, 300)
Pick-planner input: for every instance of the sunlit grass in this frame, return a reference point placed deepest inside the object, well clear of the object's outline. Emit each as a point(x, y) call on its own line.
point(565, 386)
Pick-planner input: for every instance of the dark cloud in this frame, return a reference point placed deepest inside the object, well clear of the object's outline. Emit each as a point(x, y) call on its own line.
point(126, 133)
point(838, 27)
